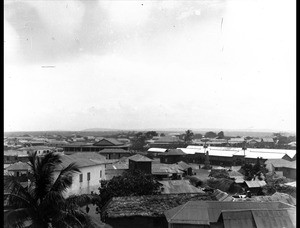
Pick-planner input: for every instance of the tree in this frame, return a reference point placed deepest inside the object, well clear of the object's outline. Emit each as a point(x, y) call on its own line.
point(151, 134)
point(139, 142)
point(42, 203)
point(198, 136)
point(188, 137)
point(221, 135)
point(250, 171)
point(210, 134)
point(216, 173)
point(131, 183)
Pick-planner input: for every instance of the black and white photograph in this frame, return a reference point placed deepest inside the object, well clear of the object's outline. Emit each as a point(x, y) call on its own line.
point(149, 113)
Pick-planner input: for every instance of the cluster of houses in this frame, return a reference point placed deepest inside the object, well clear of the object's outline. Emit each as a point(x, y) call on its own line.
point(181, 203)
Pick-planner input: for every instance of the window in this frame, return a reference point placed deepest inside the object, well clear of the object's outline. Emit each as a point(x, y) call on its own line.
point(100, 173)
point(88, 176)
point(80, 177)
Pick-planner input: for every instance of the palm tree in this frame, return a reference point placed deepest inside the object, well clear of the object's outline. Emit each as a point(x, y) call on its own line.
point(42, 203)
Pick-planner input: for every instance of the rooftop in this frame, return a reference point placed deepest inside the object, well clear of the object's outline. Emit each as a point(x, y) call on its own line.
point(18, 166)
point(206, 212)
point(88, 155)
point(281, 163)
point(255, 184)
point(139, 158)
point(173, 152)
point(150, 206)
point(112, 150)
point(179, 186)
point(80, 162)
point(165, 169)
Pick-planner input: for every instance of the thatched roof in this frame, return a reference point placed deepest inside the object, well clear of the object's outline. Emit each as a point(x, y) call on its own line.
point(148, 206)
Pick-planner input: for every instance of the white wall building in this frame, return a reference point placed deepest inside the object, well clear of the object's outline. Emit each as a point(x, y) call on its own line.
point(92, 171)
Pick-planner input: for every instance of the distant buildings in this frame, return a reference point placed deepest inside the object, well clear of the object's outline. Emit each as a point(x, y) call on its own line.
point(104, 143)
point(282, 167)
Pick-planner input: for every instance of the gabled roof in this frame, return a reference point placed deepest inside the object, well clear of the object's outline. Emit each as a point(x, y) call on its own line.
point(221, 196)
point(149, 206)
point(80, 162)
point(172, 152)
point(278, 163)
point(108, 142)
point(19, 166)
point(139, 158)
point(183, 165)
point(206, 212)
point(235, 174)
point(275, 218)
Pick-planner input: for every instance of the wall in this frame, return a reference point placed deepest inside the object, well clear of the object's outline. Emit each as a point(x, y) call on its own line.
point(85, 187)
point(289, 173)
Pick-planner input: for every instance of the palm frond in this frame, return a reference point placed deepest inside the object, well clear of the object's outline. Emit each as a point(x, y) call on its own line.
point(44, 173)
point(64, 179)
point(73, 218)
point(13, 187)
point(20, 217)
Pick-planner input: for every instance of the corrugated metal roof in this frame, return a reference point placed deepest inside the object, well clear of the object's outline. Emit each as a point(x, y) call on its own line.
point(183, 165)
point(188, 213)
point(192, 209)
point(157, 150)
point(292, 214)
point(173, 152)
point(238, 219)
point(161, 168)
point(191, 150)
point(80, 162)
point(215, 208)
point(18, 166)
point(255, 184)
point(139, 158)
point(272, 218)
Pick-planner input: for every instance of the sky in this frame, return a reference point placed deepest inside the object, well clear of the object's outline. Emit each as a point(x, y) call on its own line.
point(74, 65)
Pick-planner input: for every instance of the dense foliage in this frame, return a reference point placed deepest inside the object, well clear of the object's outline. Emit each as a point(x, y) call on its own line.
point(131, 183)
point(250, 171)
point(188, 137)
point(276, 184)
point(217, 173)
point(42, 203)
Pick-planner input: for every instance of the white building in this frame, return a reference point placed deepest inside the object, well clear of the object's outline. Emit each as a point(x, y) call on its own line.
point(92, 171)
